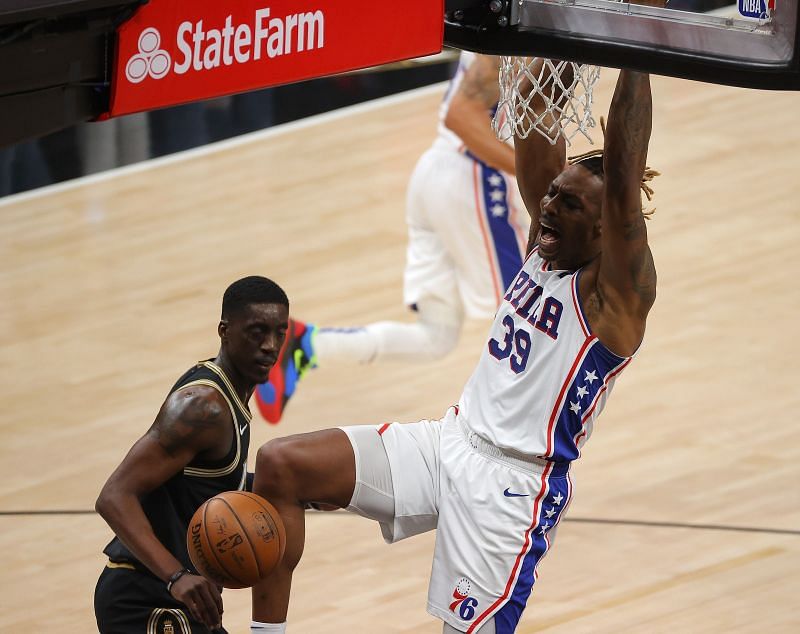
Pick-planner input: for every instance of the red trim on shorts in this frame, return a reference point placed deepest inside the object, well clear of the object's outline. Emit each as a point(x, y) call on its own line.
point(383, 428)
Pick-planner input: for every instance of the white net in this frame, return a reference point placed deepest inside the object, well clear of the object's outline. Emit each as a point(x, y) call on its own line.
point(566, 93)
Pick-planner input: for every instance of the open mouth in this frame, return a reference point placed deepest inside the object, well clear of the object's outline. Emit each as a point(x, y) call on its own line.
point(549, 236)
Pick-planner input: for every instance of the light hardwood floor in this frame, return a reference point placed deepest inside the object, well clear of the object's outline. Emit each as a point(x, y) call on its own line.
point(110, 289)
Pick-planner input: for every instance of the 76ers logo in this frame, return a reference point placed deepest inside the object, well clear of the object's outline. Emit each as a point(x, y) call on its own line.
point(464, 605)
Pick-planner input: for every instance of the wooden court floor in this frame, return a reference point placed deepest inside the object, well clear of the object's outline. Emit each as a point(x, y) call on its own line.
point(686, 516)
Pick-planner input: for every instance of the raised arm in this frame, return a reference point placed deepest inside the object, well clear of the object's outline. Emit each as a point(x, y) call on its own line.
point(538, 161)
point(190, 422)
point(626, 279)
point(468, 114)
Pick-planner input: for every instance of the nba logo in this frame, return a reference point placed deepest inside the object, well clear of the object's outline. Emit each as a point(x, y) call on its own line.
point(759, 9)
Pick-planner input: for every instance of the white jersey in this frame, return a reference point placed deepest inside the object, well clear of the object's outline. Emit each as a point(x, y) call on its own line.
point(467, 225)
point(543, 378)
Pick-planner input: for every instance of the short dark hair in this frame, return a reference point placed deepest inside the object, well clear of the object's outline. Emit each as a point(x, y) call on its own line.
point(592, 163)
point(253, 289)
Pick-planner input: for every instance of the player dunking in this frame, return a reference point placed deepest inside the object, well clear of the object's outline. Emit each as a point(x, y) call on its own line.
point(195, 449)
point(467, 232)
point(493, 475)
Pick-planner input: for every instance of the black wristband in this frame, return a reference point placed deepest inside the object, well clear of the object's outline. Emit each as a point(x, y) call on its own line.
point(171, 581)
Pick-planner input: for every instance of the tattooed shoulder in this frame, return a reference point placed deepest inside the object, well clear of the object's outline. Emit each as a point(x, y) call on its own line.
point(188, 415)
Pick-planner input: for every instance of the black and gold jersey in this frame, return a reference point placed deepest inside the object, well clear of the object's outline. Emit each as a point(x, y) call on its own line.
point(170, 507)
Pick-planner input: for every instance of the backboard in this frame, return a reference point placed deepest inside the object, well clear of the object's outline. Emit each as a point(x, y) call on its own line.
point(749, 43)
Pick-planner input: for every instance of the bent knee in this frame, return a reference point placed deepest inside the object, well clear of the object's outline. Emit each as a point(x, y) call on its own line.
point(277, 468)
point(317, 466)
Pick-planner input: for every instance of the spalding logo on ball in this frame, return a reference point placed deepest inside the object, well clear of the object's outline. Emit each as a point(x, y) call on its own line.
point(235, 539)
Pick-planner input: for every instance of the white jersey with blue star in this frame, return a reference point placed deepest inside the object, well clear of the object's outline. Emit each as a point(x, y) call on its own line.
point(543, 377)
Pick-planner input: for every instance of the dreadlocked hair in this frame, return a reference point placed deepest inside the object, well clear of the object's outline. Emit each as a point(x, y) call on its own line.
point(593, 161)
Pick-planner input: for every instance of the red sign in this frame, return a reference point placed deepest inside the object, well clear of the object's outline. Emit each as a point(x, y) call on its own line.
point(174, 51)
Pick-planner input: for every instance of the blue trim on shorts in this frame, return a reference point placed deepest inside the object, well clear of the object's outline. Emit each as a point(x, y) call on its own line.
point(507, 617)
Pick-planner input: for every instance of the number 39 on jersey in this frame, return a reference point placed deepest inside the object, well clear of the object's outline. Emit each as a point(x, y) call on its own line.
point(515, 343)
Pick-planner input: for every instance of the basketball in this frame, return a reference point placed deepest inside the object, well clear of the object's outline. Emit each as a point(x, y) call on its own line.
point(236, 539)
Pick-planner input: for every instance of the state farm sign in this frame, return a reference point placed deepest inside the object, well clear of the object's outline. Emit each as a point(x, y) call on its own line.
point(173, 52)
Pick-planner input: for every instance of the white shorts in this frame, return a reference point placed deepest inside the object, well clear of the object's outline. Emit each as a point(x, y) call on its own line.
point(496, 517)
point(467, 232)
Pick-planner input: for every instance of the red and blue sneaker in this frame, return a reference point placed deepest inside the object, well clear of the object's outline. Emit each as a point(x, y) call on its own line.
point(294, 360)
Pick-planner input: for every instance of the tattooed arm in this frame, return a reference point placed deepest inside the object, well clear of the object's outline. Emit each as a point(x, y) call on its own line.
point(468, 114)
point(192, 421)
point(626, 277)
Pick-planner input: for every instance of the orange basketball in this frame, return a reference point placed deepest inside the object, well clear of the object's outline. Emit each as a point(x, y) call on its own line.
point(236, 539)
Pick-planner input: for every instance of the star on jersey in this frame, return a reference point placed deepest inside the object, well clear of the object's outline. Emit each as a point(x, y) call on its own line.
point(497, 195)
point(582, 391)
point(575, 407)
point(498, 210)
point(545, 526)
point(495, 180)
point(550, 513)
point(557, 498)
point(591, 377)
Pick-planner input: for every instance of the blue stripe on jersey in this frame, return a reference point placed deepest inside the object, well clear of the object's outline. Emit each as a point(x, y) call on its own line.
point(496, 208)
point(592, 375)
point(507, 617)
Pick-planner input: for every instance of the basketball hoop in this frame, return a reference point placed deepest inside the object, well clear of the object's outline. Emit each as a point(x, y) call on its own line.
point(568, 104)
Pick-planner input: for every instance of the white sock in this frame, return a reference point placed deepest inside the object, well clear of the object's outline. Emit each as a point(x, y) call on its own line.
point(256, 627)
point(434, 334)
point(344, 344)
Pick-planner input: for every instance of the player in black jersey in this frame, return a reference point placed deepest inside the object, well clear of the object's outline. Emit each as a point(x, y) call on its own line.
point(195, 449)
